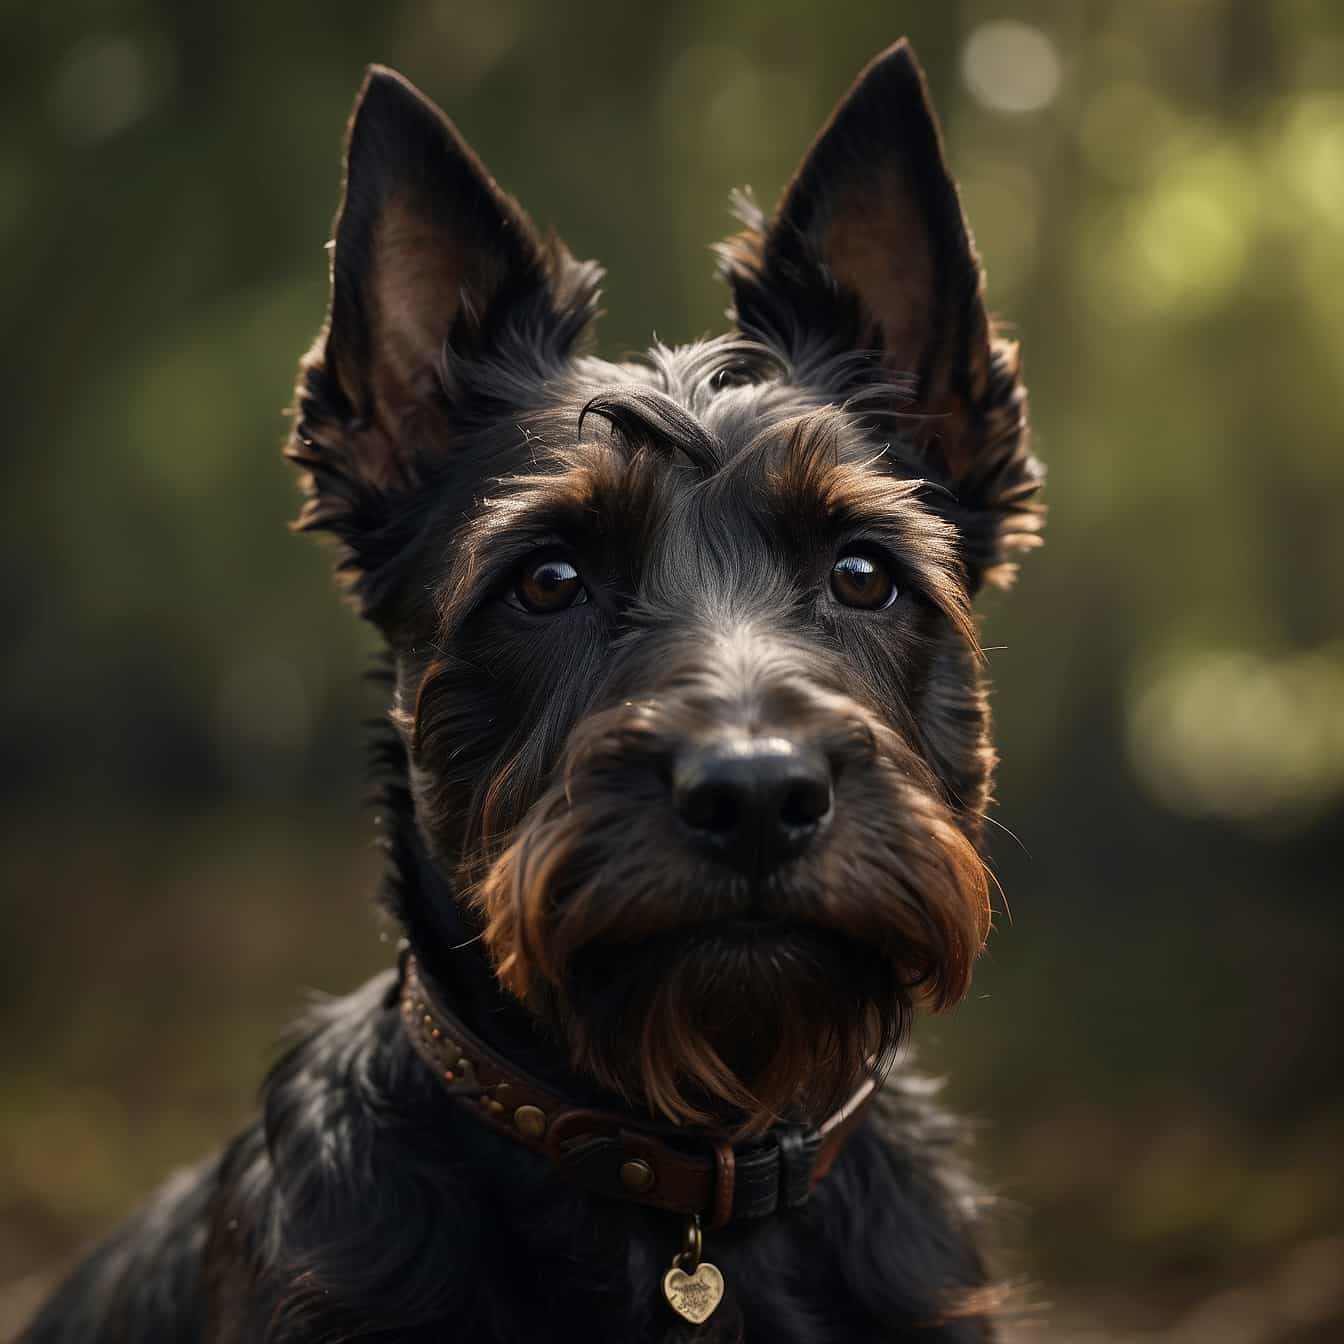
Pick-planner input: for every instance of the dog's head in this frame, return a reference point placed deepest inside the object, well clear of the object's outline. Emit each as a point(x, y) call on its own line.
point(686, 665)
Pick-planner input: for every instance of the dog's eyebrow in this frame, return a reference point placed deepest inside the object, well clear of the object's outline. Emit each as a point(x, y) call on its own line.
point(590, 493)
point(646, 419)
point(810, 479)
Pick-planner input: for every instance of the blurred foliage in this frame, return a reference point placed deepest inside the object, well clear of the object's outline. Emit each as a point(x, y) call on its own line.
point(1158, 193)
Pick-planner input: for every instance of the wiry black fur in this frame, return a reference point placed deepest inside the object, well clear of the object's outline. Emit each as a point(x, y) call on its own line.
point(364, 1206)
point(442, 408)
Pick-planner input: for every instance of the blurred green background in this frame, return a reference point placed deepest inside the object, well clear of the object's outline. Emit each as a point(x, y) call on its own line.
point(1153, 1051)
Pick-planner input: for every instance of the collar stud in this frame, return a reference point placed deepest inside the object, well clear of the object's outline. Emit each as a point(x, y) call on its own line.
point(637, 1175)
point(530, 1121)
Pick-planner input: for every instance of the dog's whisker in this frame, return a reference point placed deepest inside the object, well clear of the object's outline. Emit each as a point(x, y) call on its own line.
point(1012, 835)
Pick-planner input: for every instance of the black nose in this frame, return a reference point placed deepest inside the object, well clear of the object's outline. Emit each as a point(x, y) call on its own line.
point(753, 802)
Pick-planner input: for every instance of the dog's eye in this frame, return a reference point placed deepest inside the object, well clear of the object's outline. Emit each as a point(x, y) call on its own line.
point(732, 376)
point(860, 579)
point(549, 585)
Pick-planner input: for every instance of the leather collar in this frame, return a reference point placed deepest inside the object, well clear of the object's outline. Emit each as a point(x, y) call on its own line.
point(621, 1153)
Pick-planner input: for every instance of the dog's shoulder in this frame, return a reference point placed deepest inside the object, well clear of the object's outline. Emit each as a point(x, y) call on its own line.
point(901, 1217)
point(142, 1282)
point(218, 1233)
point(916, 1128)
point(351, 1199)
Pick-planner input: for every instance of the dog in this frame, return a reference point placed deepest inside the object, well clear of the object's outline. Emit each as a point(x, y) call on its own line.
point(682, 787)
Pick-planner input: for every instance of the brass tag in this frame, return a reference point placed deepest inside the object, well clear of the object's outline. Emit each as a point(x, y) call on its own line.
point(694, 1296)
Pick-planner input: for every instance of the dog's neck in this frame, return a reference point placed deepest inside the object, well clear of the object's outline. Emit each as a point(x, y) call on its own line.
point(458, 972)
point(423, 899)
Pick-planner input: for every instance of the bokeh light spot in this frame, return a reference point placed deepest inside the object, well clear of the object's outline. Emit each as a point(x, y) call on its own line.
point(105, 85)
point(1180, 245)
point(1126, 130)
point(1011, 67)
point(1240, 735)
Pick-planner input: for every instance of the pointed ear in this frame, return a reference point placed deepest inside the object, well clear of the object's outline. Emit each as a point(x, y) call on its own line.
point(434, 270)
point(869, 251)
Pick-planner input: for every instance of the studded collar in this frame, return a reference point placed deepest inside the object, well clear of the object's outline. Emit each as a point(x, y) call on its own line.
point(621, 1153)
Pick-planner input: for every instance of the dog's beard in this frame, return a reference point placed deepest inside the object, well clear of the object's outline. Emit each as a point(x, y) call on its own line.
point(600, 919)
point(733, 1027)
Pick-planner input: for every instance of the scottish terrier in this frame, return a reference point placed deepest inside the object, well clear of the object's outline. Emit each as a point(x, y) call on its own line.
point(683, 782)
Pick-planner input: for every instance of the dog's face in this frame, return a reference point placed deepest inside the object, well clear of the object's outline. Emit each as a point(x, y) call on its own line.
point(686, 665)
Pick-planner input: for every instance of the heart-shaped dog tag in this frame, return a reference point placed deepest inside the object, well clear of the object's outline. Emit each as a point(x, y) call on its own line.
point(693, 1296)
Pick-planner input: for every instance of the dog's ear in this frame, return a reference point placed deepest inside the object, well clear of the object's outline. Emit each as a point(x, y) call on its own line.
point(434, 271)
point(869, 250)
